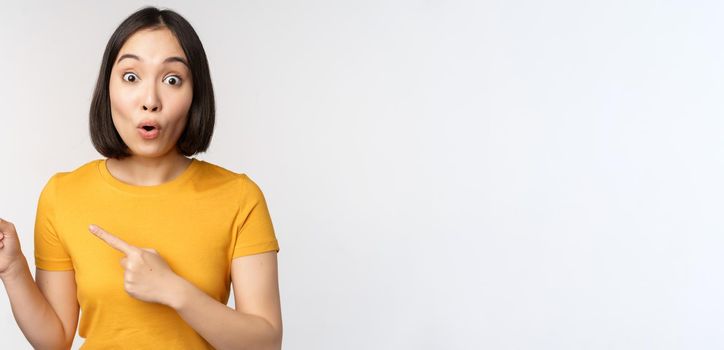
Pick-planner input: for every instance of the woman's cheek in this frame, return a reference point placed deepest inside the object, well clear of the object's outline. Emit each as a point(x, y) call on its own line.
point(122, 103)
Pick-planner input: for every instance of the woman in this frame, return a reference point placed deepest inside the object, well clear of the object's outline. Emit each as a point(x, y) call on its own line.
point(147, 242)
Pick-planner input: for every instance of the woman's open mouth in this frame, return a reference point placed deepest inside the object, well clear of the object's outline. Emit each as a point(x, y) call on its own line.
point(148, 132)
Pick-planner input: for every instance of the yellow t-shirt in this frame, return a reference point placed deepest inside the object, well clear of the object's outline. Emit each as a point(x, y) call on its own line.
point(198, 222)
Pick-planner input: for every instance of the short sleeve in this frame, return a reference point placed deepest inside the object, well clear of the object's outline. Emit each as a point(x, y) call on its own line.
point(50, 254)
point(256, 232)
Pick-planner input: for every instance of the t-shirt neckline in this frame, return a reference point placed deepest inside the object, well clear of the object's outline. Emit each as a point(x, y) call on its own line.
point(166, 187)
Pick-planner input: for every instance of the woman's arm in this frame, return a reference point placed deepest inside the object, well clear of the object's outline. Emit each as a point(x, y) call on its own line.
point(257, 321)
point(255, 324)
point(36, 318)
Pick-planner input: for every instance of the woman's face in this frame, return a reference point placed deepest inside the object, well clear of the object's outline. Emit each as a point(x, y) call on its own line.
point(150, 81)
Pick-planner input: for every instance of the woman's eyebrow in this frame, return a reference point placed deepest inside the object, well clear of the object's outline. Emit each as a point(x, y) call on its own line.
point(169, 59)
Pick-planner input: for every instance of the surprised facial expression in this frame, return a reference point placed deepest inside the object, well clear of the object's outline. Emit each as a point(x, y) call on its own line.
point(151, 92)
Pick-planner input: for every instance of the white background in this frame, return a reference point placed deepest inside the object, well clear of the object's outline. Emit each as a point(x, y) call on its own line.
point(440, 174)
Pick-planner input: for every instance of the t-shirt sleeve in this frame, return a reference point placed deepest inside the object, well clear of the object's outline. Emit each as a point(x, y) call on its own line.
point(256, 232)
point(50, 253)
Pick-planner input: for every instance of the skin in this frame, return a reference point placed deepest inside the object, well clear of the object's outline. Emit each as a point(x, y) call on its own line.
point(149, 88)
point(141, 90)
point(9, 246)
point(147, 275)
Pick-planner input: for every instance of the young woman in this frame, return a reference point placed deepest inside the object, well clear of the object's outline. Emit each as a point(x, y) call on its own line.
point(147, 241)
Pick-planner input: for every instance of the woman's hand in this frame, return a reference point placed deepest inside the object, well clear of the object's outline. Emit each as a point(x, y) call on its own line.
point(147, 275)
point(10, 253)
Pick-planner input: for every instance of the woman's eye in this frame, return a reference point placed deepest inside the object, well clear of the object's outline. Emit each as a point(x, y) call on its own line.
point(131, 77)
point(173, 80)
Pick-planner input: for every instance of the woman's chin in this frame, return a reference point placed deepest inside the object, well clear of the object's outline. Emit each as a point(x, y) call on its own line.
point(146, 151)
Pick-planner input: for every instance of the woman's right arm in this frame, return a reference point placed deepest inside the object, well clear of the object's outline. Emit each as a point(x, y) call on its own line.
point(35, 315)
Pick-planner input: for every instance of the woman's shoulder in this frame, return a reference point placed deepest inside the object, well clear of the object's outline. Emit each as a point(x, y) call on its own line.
point(71, 179)
point(81, 172)
point(220, 173)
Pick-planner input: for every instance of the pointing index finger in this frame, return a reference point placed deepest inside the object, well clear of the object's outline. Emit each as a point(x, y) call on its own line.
point(112, 240)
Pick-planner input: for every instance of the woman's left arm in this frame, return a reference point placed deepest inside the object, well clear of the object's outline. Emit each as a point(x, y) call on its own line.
point(255, 324)
point(257, 321)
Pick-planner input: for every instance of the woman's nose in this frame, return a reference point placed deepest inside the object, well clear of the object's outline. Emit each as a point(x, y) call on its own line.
point(152, 100)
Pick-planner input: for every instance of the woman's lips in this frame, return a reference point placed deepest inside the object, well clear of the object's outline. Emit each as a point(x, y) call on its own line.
point(148, 135)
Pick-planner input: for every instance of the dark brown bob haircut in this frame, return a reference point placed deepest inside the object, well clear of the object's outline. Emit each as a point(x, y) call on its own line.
point(196, 137)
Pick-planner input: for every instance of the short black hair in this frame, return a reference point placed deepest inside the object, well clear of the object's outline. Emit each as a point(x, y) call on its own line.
point(196, 137)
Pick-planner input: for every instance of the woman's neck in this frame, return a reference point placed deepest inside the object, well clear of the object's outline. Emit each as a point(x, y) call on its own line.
point(146, 171)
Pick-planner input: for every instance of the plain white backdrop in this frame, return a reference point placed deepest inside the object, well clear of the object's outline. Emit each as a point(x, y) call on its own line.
point(440, 174)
